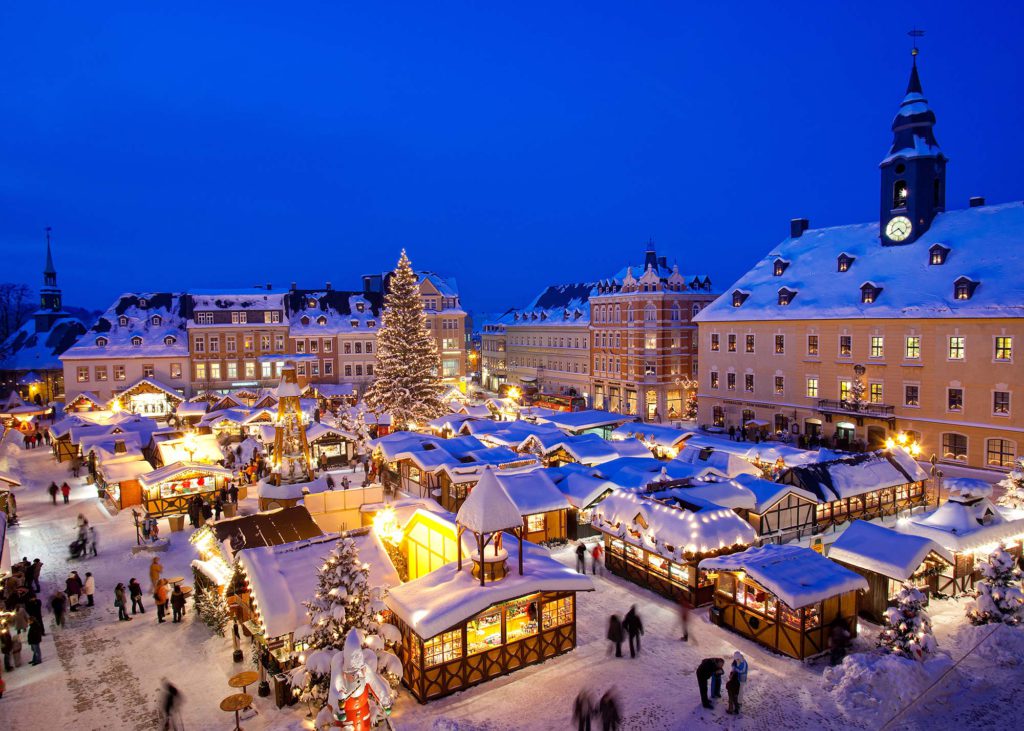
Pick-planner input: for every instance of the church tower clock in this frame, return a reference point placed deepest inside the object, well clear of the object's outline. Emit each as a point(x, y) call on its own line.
point(914, 171)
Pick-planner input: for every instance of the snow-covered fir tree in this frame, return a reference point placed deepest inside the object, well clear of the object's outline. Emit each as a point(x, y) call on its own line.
point(908, 629)
point(407, 384)
point(344, 600)
point(1013, 487)
point(1000, 598)
point(362, 432)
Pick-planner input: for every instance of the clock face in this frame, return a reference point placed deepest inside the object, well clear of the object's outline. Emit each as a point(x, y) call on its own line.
point(898, 228)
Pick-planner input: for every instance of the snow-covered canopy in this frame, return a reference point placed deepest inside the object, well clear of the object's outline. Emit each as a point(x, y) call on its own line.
point(508, 433)
point(856, 474)
point(686, 526)
point(636, 473)
point(589, 449)
point(123, 471)
point(179, 470)
point(763, 451)
point(882, 550)
point(532, 491)
point(796, 575)
point(578, 421)
point(964, 523)
point(656, 434)
point(720, 462)
point(489, 508)
point(446, 596)
point(766, 493)
point(581, 487)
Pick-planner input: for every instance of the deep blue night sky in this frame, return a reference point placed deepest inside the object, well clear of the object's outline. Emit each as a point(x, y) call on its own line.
point(172, 145)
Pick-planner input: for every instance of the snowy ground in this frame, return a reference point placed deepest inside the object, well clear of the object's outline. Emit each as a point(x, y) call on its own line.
point(97, 669)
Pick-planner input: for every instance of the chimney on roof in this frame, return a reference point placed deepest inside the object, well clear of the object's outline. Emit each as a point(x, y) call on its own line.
point(269, 286)
point(328, 286)
point(976, 201)
point(294, 286)
point(797, 226)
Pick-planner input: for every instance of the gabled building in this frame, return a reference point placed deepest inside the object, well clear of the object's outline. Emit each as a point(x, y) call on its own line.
point(852, 334)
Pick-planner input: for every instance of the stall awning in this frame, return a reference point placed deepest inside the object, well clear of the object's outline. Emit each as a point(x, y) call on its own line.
point(175, 471)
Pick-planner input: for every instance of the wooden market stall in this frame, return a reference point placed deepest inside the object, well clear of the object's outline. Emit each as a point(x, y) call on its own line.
point(887, 559)
point(120, 481)
point(583, 489)
point(661, 544)
point(149, 397)
point(167, 490)
point(784, 597)
point(330, 447)
point(84, 402)
point(504, 607)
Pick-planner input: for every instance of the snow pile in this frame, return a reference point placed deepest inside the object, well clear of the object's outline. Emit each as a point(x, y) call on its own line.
point(997, 645)
point(870, 688)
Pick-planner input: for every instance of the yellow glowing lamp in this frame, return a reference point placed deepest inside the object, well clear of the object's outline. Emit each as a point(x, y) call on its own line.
point(901, 439)
point(514, 393)
point(116, 406)
point(890, 443)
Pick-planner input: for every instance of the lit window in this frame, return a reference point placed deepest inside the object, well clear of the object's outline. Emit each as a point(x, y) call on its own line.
point(812, 387)
point(1000, 452)
point(812, 345)
point(956, 347)
point(911, 395)
point(535, 523)
point(750, 344)
point(730, 381)
point(732, 343)
point(714, 379)
point(844, 262)
point(1004, 347)
point(875, 393)
point(845, 345)
point(200, 371)
point(1001, 403)
point(780, 385)
point(175, 371)
point(748, 382)
point(83, 374)
point(715, 344)
point(845, 390)
point(913, 347)
point(954, 446)
point(877, 346)
point(955, 399)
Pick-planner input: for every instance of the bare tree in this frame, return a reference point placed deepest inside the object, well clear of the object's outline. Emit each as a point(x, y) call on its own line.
point(16, 304)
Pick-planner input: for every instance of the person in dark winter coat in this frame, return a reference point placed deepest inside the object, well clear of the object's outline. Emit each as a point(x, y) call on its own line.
point(581, 558)
point(135, 591)
point(205, 510)
point(615, 633)
point(839, 639)
point(7, 647)
point(37, 569)
point(177, 603)
point(34, 607)
point(611, 718)
point(707, 669)
point(169, 704)
point(732, 687)
point(120, 600)
point(57, 603)
point(233, 493)
point(35, 638)
point(583, 710)
point(73, 588)
point(218, 508)
point(634, 628)
point(53, 489)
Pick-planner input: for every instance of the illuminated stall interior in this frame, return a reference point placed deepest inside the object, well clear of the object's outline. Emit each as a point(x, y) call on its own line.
point(167, 490)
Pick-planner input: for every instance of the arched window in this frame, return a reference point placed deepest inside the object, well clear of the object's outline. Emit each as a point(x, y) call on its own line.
point(1000, 452)
point(618, 313)
point(675, 313)
point(899, 194)
point(696, 309)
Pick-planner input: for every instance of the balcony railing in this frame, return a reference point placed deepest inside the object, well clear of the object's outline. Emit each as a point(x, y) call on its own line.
point(840, 406)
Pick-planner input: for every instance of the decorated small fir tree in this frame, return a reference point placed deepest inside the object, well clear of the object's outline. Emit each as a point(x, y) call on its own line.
point(344, 600)
point(1000, 598)
point(856, 399)
point(690, 407)
point(908, 629)
point(406, 384)
point(1013, 487)
point(210, 604)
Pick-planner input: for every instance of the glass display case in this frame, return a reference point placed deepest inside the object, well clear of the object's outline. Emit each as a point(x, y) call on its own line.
point(483, 632)
point(521, 618)
point(442, 648)
point(557, 613)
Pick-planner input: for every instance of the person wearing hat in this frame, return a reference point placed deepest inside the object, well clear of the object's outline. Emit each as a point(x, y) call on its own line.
point(739, 666)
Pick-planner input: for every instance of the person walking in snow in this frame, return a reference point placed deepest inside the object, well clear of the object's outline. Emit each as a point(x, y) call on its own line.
point(94, 541)
point(156, 570)
point(634, 628)
point(120, 600)
point(581, 558)
point(65, 490)
point(596, 558)
point(169, 705)
point(707, 669)
point(684, 616)
point(57, 604)
point(89, 588)
point(582, 710)
point(73, 589)
point(32, 582)
point(739, 666)
point(34, 607)
point(609, 711)
point(35, 638)
point(135, 591)
point(53, 489)
point(177, 603)
point(615, 634)
point(161, 597)
point(20, 619)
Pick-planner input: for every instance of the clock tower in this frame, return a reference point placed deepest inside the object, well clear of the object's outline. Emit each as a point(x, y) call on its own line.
point(914, 171)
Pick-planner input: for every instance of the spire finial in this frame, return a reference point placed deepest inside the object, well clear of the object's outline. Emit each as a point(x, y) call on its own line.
point(49, 256)
point(915, 34)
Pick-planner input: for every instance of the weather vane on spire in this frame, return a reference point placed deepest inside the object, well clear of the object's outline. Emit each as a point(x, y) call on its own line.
point(915, 34)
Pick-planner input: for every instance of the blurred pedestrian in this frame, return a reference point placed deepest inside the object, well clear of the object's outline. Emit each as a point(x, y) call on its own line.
point(65, 490)
point(57, 604)
point(35, 638)
point(596, 558)
point(89, 588)
point(581, 558)
point(135, 591)
point(634, 628)
point(177, 603)
point(583, 710)
point(615, 634)
point(170, 707)
point(120, 600)
point(684, 616)
point(611, 718)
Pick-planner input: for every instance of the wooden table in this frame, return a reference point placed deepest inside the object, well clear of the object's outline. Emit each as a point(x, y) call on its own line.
point(244, 679)
point(235, 703)
point(174, 580)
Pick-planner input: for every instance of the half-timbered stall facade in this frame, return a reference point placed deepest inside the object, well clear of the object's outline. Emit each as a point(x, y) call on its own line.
point(659, 543)
point(502, 608)
point(867, 486)
point(149, 397)
point(780, 513)
point(167, 490)
point(784, 597)
point(887, 559)
point(84, 401)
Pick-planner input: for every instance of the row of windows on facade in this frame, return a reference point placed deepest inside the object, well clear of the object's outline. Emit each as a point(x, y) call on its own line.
point(963, 289)
point(649, 341)
point(322, 321)
point(956, 350)
point(874, 392)
point(548, 342)
point(136, 341)
point(241, 317)
point(100, 373)
point(613, 366)
point(613, 313)
point(430, 303)
point(937, 255)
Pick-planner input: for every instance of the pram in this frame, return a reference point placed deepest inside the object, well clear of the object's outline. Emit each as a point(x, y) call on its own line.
point(77, 548)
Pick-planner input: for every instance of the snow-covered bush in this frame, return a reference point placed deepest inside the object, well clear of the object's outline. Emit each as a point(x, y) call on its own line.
point(908, 629)
point(1013, 487)
point(344, 600)
point(1000, 598)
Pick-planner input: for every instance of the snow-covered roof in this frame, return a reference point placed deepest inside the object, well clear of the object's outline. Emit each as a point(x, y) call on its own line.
point(722, 463)
point(157, 318)
point(984, 243)
point(266, 528)
point(489, 508)
point(318, 430)
point(657, 434)
point(446, 596)
point(557, 304)
point(332, 312)
point(122, 471)
point(766, 493)
point(764, 451)
point(290, 491)
point(192, 408)
point(176, 470)
point(573, 421)
point(171, 448)
point(581, 487)
point(964, 523)
point(882, 550)
point(152, 383)
point(29, 348)
point(856, 474)
point(796, 575)
point(728, 493)
point(633, 473)
point(10, 479)
point(671, 531)
point(533, 491)
point(589, 449)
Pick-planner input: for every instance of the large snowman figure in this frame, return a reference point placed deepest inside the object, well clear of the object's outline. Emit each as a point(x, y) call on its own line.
point(352, 682)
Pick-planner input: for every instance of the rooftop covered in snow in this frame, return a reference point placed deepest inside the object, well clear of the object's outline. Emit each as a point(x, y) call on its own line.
point(881, 550)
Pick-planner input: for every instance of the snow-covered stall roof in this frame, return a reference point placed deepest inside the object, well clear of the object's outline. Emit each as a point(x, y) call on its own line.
point(964, 523)
point(62, 428)
point(580, 487)
point(124, 471)
point(721, 462)
point(201, 448)
point(476, 411)
point(173, 471)
point(984, 242)
point(796, 575)
point(192, 408)
point(268, 528)
point(282, 577)
point(508, 433)
point(690, 526)
point(533, 491)
point(577, 421)
point(656, 434)
point(882, 550)
point(9, 479)
point(856, 474)
point(152, 383)
point(446, 596)
point(448, 421)
point(766, 493)
point(489, 508)
point(763, 451)
point(635, 473)
point(728, 494)
point(317, 431)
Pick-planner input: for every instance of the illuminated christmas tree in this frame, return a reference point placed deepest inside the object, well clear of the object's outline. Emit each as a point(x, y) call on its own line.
point(1000, 598)
point(908, 628)
point(1013, 487)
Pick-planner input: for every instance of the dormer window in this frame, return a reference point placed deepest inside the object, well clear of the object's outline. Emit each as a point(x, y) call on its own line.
point(101, 342)
point(844, 262)
point(170, 340)
point(304, 319)
point(739, 297)
point(354, 323)
point(312, 303)
point(136, 342)
point(122, 321)
point(321, 320)
point(143, 302)
point(869, 293)
point(371, 323)
point(937, 254)
point(156, 320)
point(963, 288)
point(779, 267)
point(360, 306)
point(786, 296)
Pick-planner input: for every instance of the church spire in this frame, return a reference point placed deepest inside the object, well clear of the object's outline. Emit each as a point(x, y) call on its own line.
point(50, 269)
point(49, 295)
